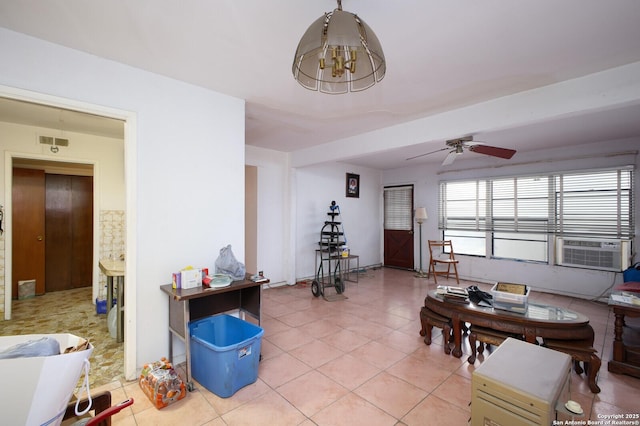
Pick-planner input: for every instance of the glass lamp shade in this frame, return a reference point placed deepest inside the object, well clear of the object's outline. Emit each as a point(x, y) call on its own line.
point(421, 214)
point(337, 54)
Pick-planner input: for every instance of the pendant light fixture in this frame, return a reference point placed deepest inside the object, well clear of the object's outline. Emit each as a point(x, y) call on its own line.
point(339, 53)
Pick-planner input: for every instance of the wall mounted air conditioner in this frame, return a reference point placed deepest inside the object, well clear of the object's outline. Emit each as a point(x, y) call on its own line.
point(592, 253)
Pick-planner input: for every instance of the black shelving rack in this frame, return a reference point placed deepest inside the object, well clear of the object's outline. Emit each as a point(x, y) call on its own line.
point(331, 242)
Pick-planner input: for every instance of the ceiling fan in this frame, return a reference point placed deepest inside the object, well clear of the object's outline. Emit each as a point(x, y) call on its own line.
point(457, 147)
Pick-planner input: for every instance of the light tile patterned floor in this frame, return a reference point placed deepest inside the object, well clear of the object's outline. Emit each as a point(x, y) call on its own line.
point(361, 361)
point(73, 312)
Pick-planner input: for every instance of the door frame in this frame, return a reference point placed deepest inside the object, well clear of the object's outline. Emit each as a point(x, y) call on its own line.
point(130, 171)
point(95, 241)
point(411, 231)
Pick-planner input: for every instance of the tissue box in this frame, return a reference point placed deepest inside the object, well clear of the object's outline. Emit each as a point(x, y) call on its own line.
point(187, 278)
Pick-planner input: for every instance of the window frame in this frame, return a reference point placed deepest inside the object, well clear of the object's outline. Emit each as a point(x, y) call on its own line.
point(549, 213)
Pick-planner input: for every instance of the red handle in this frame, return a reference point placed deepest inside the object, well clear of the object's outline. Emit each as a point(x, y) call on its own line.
point(109, 412)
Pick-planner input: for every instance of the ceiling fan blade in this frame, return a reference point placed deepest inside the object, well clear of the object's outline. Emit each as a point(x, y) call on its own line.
point(493, 151)
point(422, 155)
point(450, 158)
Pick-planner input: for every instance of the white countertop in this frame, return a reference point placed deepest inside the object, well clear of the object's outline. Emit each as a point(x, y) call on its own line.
point(112, 268)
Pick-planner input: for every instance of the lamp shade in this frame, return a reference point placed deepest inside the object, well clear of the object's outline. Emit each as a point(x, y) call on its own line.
point(339, 53)
point(421, 214)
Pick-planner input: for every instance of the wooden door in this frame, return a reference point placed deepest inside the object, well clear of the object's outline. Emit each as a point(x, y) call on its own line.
point(398, 226)
point(69, 232)
point(28, 245)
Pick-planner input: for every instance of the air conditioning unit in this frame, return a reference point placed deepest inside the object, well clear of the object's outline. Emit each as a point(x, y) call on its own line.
point(591, 253)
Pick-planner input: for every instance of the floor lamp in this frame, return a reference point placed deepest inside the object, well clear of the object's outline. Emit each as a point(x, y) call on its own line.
point(421, 216)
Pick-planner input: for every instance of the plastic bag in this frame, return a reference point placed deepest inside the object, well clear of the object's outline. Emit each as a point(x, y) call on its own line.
point(161, 383)
point(45, 346)
point(227, 264)
point(112, 322)
point(632, 273)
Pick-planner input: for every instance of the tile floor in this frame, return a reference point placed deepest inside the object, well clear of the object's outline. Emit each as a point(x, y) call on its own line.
point(73, 312)
point(361, 361)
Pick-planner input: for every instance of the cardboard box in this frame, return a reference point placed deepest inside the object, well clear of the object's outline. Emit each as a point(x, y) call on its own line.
point(187, 278)
point(191, 278)
point(39, 388)
point(175, 280)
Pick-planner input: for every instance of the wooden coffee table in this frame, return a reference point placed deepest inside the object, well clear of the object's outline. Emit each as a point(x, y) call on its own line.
point(540, 321)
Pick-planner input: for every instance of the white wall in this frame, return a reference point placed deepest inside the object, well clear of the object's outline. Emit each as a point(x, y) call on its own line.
point(293, 205)
point(185, 185)
point(274, 214)
point(583, 283)
point(107, 152)
point(315, 187)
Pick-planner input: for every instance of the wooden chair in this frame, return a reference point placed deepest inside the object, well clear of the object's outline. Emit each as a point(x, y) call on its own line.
point(436, 249)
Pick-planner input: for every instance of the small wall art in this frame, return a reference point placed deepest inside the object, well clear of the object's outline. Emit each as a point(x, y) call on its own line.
point(353, 185)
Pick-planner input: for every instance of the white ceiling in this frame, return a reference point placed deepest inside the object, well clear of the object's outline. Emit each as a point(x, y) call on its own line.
point(441, 55)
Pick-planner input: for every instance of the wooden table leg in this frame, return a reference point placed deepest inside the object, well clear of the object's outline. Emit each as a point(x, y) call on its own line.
point(530, 335)
point(426, 327)
point(457, 336)
point(592, 372)
point(472, 343)
point(618, 344)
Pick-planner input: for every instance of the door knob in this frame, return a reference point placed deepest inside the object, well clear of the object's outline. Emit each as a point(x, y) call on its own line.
point(39, 237)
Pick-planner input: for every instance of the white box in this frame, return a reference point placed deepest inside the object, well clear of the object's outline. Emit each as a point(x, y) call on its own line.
point(37, 390)
point(191, 278)
point(510, 301)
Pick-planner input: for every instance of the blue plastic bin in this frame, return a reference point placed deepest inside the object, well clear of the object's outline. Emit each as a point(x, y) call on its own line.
point(225, 352)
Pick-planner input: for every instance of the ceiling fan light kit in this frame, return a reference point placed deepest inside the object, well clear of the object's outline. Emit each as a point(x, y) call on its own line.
point(339, 53)
point(457, 147)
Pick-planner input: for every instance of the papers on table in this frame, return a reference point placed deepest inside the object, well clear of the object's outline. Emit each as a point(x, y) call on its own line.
point(627, 298)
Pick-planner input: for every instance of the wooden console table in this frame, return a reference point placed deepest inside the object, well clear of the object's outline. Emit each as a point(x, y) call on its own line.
point(626, 346)
point(540, 321)
point(200, 302)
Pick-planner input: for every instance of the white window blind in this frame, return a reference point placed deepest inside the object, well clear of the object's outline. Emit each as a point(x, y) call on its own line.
point(398, 208)
point(593, 203)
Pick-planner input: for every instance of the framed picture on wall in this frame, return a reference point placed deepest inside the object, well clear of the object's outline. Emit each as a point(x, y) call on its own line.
point(353, 185)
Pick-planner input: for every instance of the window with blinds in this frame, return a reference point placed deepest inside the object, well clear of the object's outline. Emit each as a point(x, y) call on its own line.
point(524, 211)
point(398, 208)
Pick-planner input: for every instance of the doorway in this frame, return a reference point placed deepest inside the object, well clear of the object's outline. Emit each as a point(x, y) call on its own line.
point(127, 124)
point(53, 215)
point(398, 227)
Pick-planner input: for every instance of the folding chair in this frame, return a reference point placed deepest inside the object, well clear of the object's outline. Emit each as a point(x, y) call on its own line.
point(436, 249)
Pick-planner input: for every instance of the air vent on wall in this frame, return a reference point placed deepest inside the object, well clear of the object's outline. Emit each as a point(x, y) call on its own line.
point(49, 140)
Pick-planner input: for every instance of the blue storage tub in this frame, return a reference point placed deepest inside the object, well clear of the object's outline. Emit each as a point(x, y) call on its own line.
point(225, 352)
